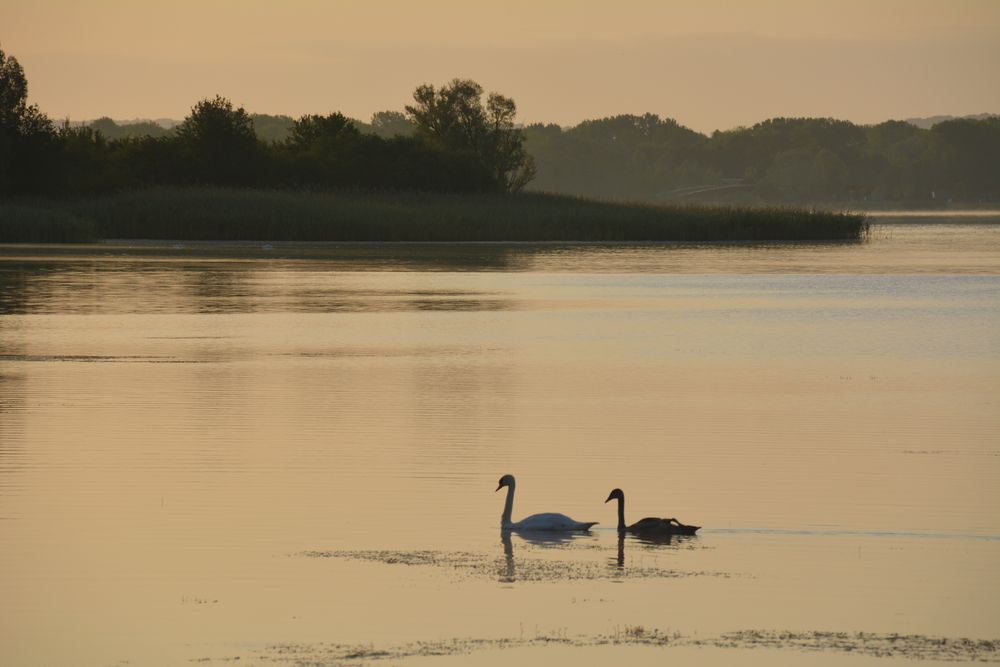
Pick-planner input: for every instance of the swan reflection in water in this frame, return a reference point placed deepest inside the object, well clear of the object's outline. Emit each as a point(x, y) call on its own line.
point(651, 540)
point(549, 539)
point(540, 538)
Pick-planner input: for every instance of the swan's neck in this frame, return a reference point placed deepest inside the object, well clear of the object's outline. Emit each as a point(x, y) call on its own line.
point(621, 513)
point(508, 506)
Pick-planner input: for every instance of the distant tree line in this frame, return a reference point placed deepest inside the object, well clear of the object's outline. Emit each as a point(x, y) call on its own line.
point(784, 159)
point(267, 127)
point(449, 140)
point(648, 158)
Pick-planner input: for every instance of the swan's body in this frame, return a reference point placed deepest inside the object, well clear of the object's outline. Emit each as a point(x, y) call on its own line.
point(548, 521)
point(649, 525)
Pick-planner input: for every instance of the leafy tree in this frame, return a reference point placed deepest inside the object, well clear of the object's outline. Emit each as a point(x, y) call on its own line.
point(330, 151)
point(16, 115)
point(975, 148)
point(388, 124)
point(220, 142)
point(215, 121)
point(27, 136)
point(271, 128)
point(455, 119)
point(112, 130)
point(322, 150)
point(624, 157)
point(503, 146)
point(885, 135)
point(312, 132)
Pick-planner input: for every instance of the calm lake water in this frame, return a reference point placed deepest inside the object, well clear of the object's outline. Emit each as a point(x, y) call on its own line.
point(288, 454)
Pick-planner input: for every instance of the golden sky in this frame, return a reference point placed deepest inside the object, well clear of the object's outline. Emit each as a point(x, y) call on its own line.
point(708, 63)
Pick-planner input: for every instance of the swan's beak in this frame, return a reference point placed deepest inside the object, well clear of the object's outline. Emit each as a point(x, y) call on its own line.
point(608, 500)
point(499, 486)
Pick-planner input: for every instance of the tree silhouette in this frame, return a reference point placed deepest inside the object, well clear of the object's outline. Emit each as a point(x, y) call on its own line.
point(388, 124)
point(312, 132)
point(220, 142)
point(27, 136)
point(457, 139)
point(454, 118)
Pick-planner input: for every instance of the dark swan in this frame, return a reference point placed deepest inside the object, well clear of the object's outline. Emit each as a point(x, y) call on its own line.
point(649, 525)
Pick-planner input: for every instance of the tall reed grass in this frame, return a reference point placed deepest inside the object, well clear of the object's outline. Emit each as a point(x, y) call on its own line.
point(34, 223)
point(226, 214)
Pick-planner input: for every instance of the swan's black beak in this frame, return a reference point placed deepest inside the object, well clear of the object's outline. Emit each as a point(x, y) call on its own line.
point(608, 500)
point(499, 486)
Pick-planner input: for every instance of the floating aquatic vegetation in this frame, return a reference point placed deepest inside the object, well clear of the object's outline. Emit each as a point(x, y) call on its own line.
point(510, 568)
point(94, 358)
point(920, 647)
point(914, 647)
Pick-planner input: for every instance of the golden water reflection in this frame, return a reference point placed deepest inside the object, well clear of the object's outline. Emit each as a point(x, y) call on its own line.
point(174, 430)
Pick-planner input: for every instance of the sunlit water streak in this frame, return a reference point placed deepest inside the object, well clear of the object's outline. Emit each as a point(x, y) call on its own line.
point(179, 426)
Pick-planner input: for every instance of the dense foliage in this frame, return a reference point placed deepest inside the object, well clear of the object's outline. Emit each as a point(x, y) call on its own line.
point(28, 143)
point(779, 160)
point(220, 144)
point(648, 158)
point(452, 140)
point(455, 119)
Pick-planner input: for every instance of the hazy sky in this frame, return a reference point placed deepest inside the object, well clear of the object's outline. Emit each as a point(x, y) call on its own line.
point(708, 63)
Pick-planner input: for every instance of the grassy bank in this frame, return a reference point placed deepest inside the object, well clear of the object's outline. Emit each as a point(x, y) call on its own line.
point(239, 215)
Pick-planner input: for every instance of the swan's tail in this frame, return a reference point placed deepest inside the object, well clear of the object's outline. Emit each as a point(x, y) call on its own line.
point(587, 524)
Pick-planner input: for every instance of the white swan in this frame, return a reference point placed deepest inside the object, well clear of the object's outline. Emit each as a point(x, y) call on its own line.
point(547, 521)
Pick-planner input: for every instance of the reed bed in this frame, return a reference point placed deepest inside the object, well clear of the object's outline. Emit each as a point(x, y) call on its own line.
point(229, 214)
point(26, 223)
